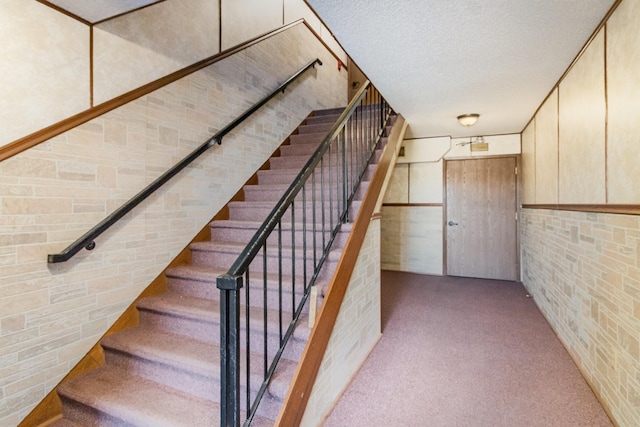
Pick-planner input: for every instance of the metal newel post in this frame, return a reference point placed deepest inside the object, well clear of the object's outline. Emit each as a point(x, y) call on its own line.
point(229, 349)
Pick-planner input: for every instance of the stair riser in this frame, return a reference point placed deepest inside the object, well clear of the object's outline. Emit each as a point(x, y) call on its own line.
point(258, 213)
point(332, 166)
point(223, 260)
point(88, 416)
point(318, 128)
point(299, 149)
point(287, 176)
point(210, 332)
point(244, 235)
point(307, 138)
point(202, 384)
point(322, 119)
point(262, 193)
point(209, 291)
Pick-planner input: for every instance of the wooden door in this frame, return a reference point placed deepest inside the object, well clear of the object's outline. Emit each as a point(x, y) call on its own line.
point(481, 222)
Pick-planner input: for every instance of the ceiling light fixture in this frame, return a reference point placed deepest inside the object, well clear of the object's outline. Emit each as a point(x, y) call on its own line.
point(468, 119)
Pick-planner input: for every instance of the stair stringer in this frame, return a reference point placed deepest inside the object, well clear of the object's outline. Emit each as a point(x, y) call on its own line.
point(306, 375)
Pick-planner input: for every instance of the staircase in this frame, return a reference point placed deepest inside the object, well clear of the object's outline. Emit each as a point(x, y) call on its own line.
point(166, 371)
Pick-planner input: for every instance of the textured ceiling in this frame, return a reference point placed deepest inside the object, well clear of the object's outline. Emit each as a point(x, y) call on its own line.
point(434, 60)
point(98, 10)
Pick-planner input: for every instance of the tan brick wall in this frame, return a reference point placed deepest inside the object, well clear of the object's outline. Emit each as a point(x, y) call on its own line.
point(356, 332)
point(50, 315)
point(583, 270)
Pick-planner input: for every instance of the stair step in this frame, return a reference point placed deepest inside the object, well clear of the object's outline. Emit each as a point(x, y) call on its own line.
point(188, 365)
point(185, 364)
point(241, 232)
point(64, 422)
point(110, 396)
point(322, 118)
point(200, 320)
point(329, 111)
point(300, 149)
point(307, 138)
point(198, 281)
point(286, 176)
point(220, 255)
point(317, 128)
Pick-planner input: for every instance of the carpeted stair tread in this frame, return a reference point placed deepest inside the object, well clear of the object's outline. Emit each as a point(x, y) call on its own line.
point(64, 422)
point(205, 273)
point(321, 127)
point(232, 248)
point(170, 349)
point(329, 112)
point(200, 309)
point(137, 401)
point(300, 148)
point(322, 118)
point(200, 273)
point(254, 225)
point(207, 310)
point(289, 162)
point(307, 138)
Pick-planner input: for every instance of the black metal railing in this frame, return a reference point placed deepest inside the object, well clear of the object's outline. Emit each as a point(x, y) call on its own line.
point(87, 240)
point(264, 292)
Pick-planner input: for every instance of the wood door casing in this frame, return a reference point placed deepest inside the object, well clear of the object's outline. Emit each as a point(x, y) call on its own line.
point(481, 197)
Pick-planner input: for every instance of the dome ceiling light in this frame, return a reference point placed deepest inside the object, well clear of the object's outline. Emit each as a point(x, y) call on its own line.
point(468, 119)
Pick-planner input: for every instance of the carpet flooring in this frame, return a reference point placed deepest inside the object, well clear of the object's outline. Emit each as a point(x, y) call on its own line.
point(465, 352)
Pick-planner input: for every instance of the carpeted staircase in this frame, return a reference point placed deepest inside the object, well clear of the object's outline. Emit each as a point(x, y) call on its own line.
point(165, 372)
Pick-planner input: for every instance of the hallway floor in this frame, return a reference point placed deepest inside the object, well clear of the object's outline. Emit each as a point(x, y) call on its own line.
point(465, 352)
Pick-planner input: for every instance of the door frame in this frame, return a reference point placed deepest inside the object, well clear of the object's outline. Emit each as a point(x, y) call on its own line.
point(518, 159)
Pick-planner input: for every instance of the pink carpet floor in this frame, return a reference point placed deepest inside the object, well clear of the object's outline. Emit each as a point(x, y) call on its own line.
point(465, 352)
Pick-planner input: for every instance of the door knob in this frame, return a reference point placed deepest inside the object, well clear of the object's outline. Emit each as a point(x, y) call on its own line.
point(451, 223)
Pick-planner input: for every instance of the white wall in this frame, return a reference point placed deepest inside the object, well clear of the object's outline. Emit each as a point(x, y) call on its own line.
point(54, 67)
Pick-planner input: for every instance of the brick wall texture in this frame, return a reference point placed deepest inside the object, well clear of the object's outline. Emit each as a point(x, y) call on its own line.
point(50, 195)
point(356, 332)
point(583, 270)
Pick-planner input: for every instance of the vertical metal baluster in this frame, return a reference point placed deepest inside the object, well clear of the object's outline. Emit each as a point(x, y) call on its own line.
point(330, 191)
point(315, 230)
point(265, 319)
point(247, 343)
point(293, 257)
point(345, 177)
point(352, 143)
point(280, 280)
point(304, 237)
point(323, 195)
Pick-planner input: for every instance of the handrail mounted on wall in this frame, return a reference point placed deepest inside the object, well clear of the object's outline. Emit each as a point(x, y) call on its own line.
point(87, 240)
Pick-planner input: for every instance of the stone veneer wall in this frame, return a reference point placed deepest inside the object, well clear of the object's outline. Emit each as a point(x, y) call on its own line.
point(356, 332)
point(50, 195)
point(583, 270)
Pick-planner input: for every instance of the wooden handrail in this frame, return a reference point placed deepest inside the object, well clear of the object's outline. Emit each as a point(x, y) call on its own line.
point(297, 397)
point(602, 208)
point(38, 137)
